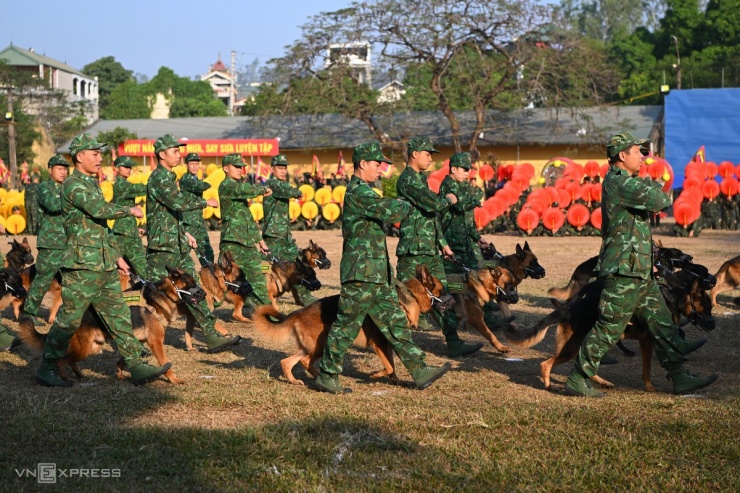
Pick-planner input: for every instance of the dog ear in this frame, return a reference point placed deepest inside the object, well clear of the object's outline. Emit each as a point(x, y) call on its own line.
point(25, 241)
point(526, 246)
point(660, 243)
point(519, 252)
point(226, 264)
point(173, 273)
point(311, 245)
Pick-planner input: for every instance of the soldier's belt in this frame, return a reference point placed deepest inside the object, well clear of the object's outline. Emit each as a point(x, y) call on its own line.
point(134, 298)
point(487, 264)
point(266, 266)
point(456, 283)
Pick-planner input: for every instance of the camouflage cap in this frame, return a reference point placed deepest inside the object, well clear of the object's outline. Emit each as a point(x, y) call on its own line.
point(165, 142)
point(234, 160)
point(622, 141)
point(461, 160)
point(279, 160)
point(193, 156)
point(57, 160)
point(421, 144)
point(124, 161)
point(370, 151)
point(84, 142)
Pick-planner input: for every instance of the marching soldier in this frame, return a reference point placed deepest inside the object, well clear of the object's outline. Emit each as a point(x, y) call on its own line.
point(31, 203)
point(367, 279)
point(169, 244)
point(52, 239)
point(195, 224)
point(89, 276)
point(239, 233)
point(126, 229)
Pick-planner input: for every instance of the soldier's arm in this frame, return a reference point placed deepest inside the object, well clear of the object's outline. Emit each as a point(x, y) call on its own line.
point(282, 190)
point(643, 194)
point(49, 199)
point(440, 232)
point(241, 190)
point(94, 205)
point(193, 185)
point(382, 209)
point(129, 190)
point(415, 191)
point(167, 194)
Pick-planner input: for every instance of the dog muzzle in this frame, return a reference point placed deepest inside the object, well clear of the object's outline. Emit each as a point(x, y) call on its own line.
point(489, 253)
point(508, 297)
point(709, 282)
point(322, 264)
point(311, 284)
point(442, 303)
point(192, 297)
point(242, 289)
point(702, 321)
point(19, 292)
point(537, 273)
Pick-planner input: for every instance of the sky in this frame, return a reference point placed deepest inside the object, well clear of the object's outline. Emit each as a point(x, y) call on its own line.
point(184, 35)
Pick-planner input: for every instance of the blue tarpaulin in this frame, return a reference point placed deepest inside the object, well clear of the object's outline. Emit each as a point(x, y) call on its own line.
point(701, 117)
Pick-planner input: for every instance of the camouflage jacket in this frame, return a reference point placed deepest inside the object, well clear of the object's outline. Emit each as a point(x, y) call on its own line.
point(364, 251)
point(276, 223)
point(124, 194)
point(421, 230)
point(90, 244)
point(626, 204)
point(191, 185)
point(164, 207)
point(31, 195)
point(237, 223)
point(457, 222)
point(51, 226)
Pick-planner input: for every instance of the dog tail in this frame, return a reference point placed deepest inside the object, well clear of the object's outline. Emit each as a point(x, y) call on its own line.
point(534, 334)
point(30, 336)
point(273, 325)
point(566, 293)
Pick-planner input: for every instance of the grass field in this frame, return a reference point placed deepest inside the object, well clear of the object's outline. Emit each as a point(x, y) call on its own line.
point(488, 425)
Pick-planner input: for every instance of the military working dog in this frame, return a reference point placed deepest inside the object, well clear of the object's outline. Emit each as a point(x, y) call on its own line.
point(728, 278)
point(283, 276)
point(315, 256)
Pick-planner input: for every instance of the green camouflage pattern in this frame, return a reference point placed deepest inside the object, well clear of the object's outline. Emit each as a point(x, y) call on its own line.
point(279, 160)
point(124, 194)
point(421, 231)
point(423, 143)
point(192, 156)
point(30, 200)
point(247, 257)
point(458, 224)
point(165, 142)
point(233, 160)
point(90, 244)
point(462, 160)
point(192, 186)
point(379, 302)
point(48, 263)
point(82, 288)
point(58, 160)
point(84, 142)
point(276, 223)
point(364, 249)
point(164, 207)
point(622, 298)
point(237, 222)
point(51, 233)
point(123, 161)
point(623, 141)
point(370, 151)
point(133, 251)
point(626, 204)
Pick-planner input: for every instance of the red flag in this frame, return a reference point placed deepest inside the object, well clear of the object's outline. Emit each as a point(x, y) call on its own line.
point(25, 177)
point(3, 171)
point(316, 165)
point(700, 156)
point(340, 165)
point(386, 170)
point(263, 170)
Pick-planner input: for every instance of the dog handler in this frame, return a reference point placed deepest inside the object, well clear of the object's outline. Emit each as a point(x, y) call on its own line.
point(626, 264)
point(89, 276)
point(195, 224)
point(367, 279)
point(126, 229)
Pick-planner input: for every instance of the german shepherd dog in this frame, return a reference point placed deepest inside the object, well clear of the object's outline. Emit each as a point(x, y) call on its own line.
point(226, 281)
point(577, 317)
point(521, 264)
point(728, 278)
point(309, 326)
point(11, 288)
point(162, 302)
point(19, 260)
point(283, 276)
point(315, 256)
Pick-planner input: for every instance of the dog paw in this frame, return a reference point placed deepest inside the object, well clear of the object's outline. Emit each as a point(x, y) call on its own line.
point(503, 349)
point(298, 382)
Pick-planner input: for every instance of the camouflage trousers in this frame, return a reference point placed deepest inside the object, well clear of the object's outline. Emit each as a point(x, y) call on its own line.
point(156, 265)
point(358, 300)
point(622, 298)
point(468, 256)
point(286, 249)
point(132, 250)
point(200, 233)
point(32, 221)
point(406, 269)
point(48, 263)
point(101, 290)
point(249, 261)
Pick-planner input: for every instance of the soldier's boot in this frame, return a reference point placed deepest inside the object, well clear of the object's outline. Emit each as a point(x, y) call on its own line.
point(688, 347)
point(427, 375)
point(48, 376)
point(217, 343)
point(493, 320)
point(685, 382)
point(142, 373)
point(7, 341)
point(580, 386)
point(330, 383)
point(456, 347)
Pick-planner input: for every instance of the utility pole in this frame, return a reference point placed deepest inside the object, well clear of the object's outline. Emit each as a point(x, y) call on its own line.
point(11, 141)
point(678, 64)
point(233, 83)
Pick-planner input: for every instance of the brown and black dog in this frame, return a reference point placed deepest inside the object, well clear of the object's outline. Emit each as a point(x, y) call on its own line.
point(20, 259)
point(11, 288)
point(728, 278)
point(684, 294)
point(521, 264)
point(149, 320)
point(315, 256)
point(309, 326)
point(226, 281)
point(284, 276)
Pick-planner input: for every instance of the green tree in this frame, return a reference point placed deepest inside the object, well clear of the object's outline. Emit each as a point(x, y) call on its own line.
point(114, 139)
point(128, 101)
point(110, 74)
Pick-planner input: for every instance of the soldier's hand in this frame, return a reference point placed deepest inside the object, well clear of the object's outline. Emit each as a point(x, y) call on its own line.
point(268, 192)
point(447, 252)
point(142, 232)
point(452, 198)
point(123, 267)
point(136, 212)
point(482, 243)
point(191, 241)
point(212, 203)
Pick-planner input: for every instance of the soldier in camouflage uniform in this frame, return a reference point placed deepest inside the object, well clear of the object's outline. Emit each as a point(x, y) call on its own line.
point(168, 242)
point(89, 276)
point(239, 232)
point(367, 278)
point(276, 223)
point(126, 229)
point(711, 213)
point(626, 264)
point(7, 340)
point(52, 239)
point(729, 212)
point(421, 237)
point(195, 224)
point(31, 203)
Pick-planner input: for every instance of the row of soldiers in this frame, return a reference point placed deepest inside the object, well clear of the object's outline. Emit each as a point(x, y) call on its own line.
point(720, 212)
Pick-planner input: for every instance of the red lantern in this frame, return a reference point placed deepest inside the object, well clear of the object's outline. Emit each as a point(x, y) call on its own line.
point(591, 169)
point(563, 199)
point(539, 205)
point(586, 193)
point(481, 216)
point(691, 182)
point(656, 171)
point(711, 169)
point(527, 220)
point(685, 213)
point(553, 219)
point(726, 169)
point(710, 189)
point(495, 207)
point(434, 183)
point(603, 170)
point(486, 172)
point(528, 168)
point(596, 218)
point(729, 187)
point(596, 192)
point(578, 215)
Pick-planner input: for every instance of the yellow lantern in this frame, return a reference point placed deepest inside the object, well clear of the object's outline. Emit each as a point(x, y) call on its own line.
point(307, 191)
point(294, 210)
point(323, 196)
point(310, 210)
point(107, 188)
point(211, 168)
point(207, 212)
point(15, 224)
point(2, 221)
point(257, 211)
point(331, 212)
point(180, 170)
point(338, 193)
